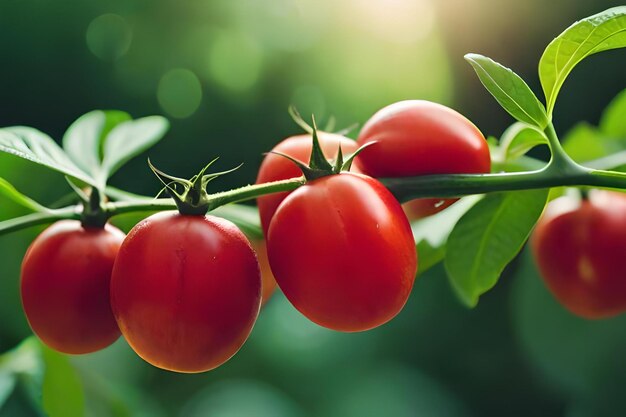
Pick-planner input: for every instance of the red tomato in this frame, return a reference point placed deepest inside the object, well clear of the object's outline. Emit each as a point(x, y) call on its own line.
point(342, 251)
point(267, 278)
point(186, 291)
point(276, 167)
point(417, 137)
point(580, 249)
point(65, 286)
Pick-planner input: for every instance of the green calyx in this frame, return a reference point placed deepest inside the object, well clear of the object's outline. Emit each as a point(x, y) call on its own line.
point(93, 212)
point(193, 199)
point(319, 166)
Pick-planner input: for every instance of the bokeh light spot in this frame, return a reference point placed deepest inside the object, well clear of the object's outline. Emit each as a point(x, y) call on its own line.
point(109, 37)
point(234, 61)
point(179, 93)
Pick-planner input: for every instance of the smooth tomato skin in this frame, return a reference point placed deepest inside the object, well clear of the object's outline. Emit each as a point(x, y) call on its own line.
point(342, 251)
point(580, 250)
point(267, 277)
point(418, 137)
point(186, 291)
point(275, 167)
point(65, 286)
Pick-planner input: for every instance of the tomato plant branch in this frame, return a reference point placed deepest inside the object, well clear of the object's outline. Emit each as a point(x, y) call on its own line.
point(40, 218)
point(404, 189)
point(458, 185)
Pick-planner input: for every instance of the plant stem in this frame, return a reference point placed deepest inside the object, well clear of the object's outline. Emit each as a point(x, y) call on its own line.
point(404, 189)
point(35, 219)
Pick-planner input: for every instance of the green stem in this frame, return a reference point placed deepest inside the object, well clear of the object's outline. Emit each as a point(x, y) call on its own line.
point(404, 189)
point(36, 219)
point(250, 192)
point(560, 162)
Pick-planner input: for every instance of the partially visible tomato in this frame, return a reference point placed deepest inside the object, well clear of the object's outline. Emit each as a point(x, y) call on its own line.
point(275, 167)
point(417, 137)
point(268, 282)
point(65, 286)
point(342, 252)
point(580, 249)
point(186, 291)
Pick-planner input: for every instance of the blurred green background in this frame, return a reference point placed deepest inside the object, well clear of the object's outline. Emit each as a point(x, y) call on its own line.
point(224, 72)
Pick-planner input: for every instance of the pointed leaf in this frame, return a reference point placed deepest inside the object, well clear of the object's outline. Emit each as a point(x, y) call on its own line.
point(37, 147)
point(613, 121)
point(82, 141)
point(488, 237)
point(509, 90)
point(520, 138)
point(7, 190)
point(601, 32)
point(129, 139)
point(431, 233)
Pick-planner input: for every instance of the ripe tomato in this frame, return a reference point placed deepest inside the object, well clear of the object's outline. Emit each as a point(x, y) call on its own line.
point(65, 286)
point(342, 252)
point(276, 167)
point(267, 278)
point(580, 249)
point(186, 291)
point(417, 137)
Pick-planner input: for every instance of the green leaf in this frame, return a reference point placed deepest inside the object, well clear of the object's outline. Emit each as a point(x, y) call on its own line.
point(129, 139)
point(488, 237)
point(7, 383)
point(509, 90)
point(37, 147)
point(25, 364)
point(613, 120)
point(62, 391)
point(519, 138)
point(7, 190)
point(82, 141)
point(601, 32)
point(431, 233)
point(584, 143)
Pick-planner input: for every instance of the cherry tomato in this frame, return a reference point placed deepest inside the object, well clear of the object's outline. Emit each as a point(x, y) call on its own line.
point(276, 167)
point(342, 251)
point(186, 291)
point(267, 278)
point(417, 137)
point(65, 286)
point(580, 249)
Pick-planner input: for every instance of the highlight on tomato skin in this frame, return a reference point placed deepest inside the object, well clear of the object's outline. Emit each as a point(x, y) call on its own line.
point(418, 137)
point(186, 291)
point(275, 167)
point(342, 252)
point(579, 247)
point(65, 280)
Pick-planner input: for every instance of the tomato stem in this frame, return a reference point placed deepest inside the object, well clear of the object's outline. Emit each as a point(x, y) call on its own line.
point(404, 189)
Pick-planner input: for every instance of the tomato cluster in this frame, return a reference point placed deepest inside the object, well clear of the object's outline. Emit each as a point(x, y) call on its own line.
point(185, 289)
